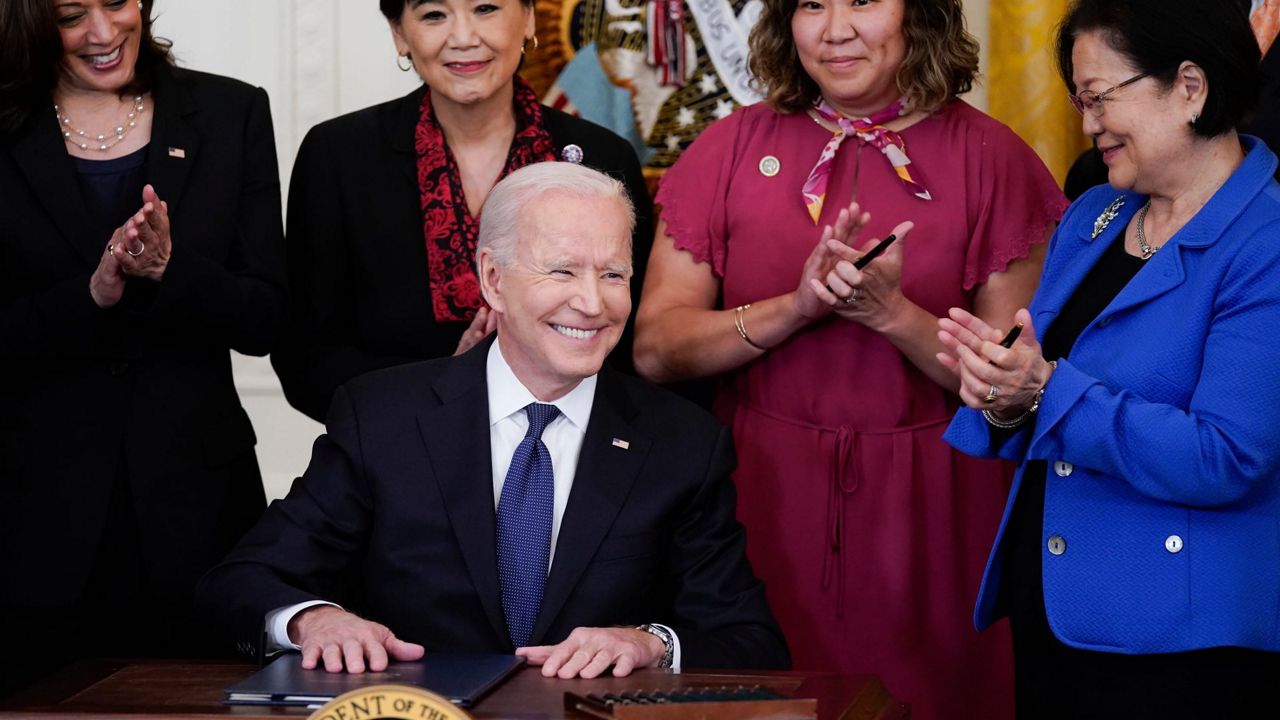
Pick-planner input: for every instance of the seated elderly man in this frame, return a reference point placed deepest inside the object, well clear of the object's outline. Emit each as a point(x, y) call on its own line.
point(518, 497)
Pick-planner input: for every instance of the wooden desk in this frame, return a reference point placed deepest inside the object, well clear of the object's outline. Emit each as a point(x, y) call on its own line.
point(194, 689)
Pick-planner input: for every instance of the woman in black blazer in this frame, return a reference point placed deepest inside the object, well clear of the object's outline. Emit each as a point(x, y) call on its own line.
point(140, 242)
point(383, 201)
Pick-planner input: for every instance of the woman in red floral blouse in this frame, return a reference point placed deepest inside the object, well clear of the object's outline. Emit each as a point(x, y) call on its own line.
point(384, 202)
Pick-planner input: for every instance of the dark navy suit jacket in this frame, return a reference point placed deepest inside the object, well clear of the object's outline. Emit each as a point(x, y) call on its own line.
point(394, 519)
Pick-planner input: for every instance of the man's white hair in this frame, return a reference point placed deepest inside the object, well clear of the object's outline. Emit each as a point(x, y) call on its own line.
point(500, 216)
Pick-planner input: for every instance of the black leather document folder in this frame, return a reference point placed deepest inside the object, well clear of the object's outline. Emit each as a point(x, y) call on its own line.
point(463, 678)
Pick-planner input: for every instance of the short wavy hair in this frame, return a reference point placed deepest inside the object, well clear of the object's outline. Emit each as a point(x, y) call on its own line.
point(941, 60)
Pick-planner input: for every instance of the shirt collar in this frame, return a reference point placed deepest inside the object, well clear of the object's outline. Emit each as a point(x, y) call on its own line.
point(507, 395)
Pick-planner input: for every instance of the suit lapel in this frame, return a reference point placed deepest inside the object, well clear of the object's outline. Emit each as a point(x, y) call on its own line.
point(1163, 272)
point(393, 190)
point(1080, 260)
point(41, 156)
point(403, 127)
point(175, 143)
point(1074, 261)
point(464, 472)
point(1166, 270)
point(603, 480)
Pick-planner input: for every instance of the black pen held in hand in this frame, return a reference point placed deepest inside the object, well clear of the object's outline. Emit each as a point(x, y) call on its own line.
point(1009, 339)
point(874, 252)
point(864, 260)
point(1005, 342)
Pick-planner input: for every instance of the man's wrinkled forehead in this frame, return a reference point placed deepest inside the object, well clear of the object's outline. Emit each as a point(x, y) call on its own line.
point(549, 217)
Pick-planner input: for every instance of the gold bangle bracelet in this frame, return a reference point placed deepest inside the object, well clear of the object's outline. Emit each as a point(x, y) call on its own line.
point(742, 328)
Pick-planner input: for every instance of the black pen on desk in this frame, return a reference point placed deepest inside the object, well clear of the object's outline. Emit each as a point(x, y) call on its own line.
point(874, 252)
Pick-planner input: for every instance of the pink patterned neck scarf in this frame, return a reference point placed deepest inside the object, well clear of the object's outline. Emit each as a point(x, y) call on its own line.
point(869, 131)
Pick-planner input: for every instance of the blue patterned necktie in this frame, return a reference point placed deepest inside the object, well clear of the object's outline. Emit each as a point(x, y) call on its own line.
point(524, 526)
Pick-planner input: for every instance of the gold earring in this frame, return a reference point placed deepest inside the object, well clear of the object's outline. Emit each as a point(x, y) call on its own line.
point(535, 38)
point(404, 68)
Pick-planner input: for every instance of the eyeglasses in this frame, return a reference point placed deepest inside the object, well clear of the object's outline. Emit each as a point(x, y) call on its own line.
point(1091, 101)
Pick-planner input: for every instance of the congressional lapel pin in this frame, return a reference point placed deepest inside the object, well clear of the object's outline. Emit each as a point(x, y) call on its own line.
point(769, 166)
point(572, 153)
point(177, 153)
point(620, 443)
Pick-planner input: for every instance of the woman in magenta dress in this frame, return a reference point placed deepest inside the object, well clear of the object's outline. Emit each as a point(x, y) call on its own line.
point(869, 531)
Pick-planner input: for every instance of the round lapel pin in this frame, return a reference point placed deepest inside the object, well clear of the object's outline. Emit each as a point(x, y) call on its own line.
point(572, 153)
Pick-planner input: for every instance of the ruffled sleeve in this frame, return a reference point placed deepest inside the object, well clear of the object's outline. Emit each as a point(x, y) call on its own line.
point(1018, 203)
point(693, 193)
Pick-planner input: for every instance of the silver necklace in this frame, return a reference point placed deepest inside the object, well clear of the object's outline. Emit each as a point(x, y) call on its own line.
point(97, 141)
point(1147, 250)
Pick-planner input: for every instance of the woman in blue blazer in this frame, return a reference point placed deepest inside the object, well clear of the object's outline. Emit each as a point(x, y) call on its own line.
point(1139, 554)
point(133, 258)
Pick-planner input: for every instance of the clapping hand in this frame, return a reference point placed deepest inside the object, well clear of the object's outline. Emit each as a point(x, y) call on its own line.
point(871, 296)
point(823, 259)
point(106, 286)
point(1001, 380)
point(145, 245)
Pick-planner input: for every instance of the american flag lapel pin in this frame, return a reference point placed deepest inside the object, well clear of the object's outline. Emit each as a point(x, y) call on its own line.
point(620, 443)
point(177, 153)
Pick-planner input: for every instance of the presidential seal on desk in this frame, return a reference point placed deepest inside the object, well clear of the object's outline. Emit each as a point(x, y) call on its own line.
point(388, 702)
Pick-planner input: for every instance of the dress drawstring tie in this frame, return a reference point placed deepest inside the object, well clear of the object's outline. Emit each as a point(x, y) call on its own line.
point(844, 481)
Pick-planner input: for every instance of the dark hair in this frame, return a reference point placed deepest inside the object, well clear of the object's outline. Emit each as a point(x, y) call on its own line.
point(31, 50)
point(941, 60)
point(1157, 36)
point(393, 9)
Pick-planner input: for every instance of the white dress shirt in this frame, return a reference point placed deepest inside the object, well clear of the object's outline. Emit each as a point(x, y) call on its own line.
point(508, 424)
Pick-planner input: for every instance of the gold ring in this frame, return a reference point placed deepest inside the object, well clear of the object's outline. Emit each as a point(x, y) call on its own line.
point(991, 395)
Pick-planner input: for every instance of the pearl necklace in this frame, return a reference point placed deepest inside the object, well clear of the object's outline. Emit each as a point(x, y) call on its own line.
point(1147, 250)
point(97, 141)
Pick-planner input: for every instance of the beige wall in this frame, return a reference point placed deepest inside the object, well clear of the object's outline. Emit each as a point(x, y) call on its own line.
point(316, 59)
point(978, 15)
